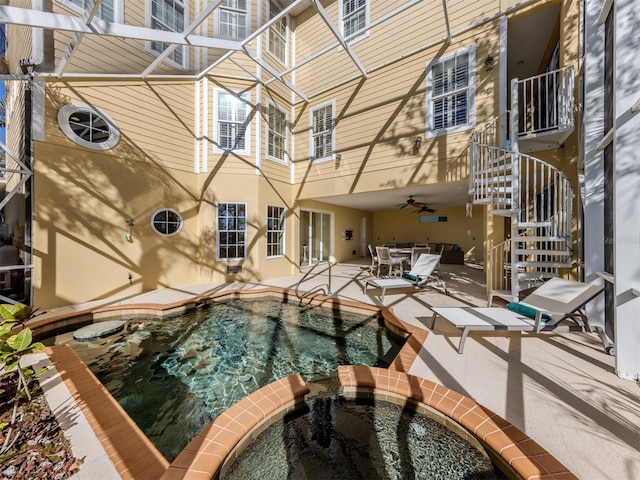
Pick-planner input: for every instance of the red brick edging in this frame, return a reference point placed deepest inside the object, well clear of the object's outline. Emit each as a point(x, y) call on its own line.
point(203, 457)
point(507, 445)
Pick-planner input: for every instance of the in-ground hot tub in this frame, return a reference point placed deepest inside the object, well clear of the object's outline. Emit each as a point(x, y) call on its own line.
point(331, 437)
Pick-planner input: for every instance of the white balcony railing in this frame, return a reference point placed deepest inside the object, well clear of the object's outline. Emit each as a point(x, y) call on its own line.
point(545, 102)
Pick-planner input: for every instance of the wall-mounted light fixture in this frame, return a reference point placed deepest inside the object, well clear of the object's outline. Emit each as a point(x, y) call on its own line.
point(338, 157)
point(488, 63)
point(129, 236)
point(417, 143)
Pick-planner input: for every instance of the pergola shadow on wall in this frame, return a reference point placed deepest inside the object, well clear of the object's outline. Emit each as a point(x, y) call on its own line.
point(77, 35)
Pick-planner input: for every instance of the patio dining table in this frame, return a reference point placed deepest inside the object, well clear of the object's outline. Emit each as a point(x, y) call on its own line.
point(405, 254)
point(400, 252)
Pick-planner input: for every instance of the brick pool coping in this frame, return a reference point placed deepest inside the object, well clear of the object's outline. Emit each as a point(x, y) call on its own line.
point(135, 457)
point(507, 446)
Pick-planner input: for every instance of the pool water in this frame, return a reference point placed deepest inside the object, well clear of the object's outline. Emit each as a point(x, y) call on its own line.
point(175, 375)
point(334, 438)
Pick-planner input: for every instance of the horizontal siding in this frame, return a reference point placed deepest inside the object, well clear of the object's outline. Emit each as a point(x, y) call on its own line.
point(421, 25)
point(156, 121)
point(378, 120)
point(117, 55)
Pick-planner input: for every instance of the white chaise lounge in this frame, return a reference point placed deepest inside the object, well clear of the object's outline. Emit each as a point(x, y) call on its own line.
point(548, 308)
point(420, 274)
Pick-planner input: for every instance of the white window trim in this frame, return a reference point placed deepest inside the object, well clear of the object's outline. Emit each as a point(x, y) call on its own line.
point(63, 121)
point(153, 227)
point(246, 230)
point(312, 151)
point(216, 22)
point(284, 62)
point(185, 50)
point(284, 231)
point(246, 96)
point(286, 136)
point(118, 10)
point(362, 34)
point(470, 51)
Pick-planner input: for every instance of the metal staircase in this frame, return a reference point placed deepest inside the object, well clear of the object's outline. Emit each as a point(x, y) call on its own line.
point(536, 196)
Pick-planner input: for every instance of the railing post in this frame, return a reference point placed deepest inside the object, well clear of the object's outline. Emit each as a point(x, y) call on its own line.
point(515, 189)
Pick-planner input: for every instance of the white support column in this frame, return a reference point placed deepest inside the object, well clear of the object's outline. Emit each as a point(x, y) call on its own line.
point(502, 79)
point(627, 179)
point(593, 206)
point(515, 189)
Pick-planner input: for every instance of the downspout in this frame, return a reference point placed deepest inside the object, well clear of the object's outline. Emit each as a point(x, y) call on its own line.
point(27, 65)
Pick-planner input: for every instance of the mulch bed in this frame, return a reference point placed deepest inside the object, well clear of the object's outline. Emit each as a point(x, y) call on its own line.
point(41, 451)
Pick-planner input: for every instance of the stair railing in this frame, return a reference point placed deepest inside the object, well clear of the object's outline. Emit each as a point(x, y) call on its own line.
point(546, 101)
point(317, 288)
point(500, 271)
point(545, 197)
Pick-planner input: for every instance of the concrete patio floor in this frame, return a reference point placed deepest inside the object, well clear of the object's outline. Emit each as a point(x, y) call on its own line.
point(560, 389)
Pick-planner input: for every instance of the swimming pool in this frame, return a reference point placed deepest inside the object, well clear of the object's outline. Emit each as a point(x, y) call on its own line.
point(174, 375)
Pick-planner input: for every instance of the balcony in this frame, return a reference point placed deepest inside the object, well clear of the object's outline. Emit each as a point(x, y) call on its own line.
point(545, 109)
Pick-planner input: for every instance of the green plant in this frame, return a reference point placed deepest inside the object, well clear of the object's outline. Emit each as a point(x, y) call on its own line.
point(12, 347)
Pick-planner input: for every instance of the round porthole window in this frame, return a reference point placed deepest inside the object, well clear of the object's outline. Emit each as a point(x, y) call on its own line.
point(166, 222)
point(88, 126)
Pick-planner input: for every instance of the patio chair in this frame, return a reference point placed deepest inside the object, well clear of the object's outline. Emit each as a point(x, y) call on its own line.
point(393, 263)
point(374, 259)
point(425, 270)
point(422, 245)
point(416, 252)
point(421, 273)
point(548, 308)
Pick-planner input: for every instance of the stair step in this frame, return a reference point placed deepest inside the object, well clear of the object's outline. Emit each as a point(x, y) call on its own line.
point(544, 264)
point(494, 190)
point(533, 224)
point(505, 212)
point(500, 160)
point(496, 168)
point(538, 238)
point(536, 275)
point(531, 251)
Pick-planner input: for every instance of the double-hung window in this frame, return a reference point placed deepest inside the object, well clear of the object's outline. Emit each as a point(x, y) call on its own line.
point(231, 122)
point(168, 15)
point(451, 93)
point(277, 133)
point(354, 17)
point(278, 35)
point(108, 10)
point(233, 19)
point(275, 231)
point(232, 231)
point(322, 135)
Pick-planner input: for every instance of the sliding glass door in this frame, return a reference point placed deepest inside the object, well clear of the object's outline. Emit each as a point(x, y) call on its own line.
point(315, 237)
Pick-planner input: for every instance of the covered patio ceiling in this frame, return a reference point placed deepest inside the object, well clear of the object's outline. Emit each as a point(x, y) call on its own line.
point(437, 196)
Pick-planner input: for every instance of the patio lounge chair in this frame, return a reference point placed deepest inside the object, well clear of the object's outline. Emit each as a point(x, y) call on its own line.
point(421, 273)
point(424, 270)
point(546, 309)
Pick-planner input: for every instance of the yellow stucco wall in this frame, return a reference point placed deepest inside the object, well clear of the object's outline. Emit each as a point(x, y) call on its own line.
point(403, 226)
point(84, 197)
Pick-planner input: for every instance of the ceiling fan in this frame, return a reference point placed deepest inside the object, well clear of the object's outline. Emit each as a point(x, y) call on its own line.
point(420, 207)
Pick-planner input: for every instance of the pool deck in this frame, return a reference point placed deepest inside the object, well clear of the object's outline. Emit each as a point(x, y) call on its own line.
point(559, 389)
